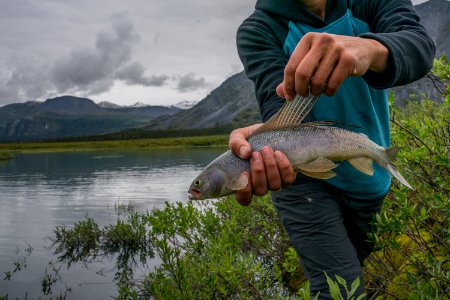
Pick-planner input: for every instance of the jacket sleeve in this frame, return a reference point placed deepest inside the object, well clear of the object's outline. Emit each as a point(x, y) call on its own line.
point(261, 52)
point(396, 25)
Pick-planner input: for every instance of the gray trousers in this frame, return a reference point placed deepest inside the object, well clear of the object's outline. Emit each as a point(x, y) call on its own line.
point(328, 231)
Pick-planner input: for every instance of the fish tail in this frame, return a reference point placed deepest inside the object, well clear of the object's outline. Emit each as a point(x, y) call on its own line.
point(391, 153)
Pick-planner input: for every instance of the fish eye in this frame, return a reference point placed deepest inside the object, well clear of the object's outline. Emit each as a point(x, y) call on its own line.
point(198, 182)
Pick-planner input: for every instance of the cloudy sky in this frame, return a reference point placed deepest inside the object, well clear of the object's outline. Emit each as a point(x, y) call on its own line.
point(151, 51)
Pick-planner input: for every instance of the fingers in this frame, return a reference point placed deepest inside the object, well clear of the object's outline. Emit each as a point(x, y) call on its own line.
point(269, 171)
point(274, 180)
point(319, 81)
point(321, 62)
point(244, 196)
point(285, 168)
point(258, 174)
point(305, 72)
point(238, 141)
point(280, 90)
point(292, 67)
point(345, 67)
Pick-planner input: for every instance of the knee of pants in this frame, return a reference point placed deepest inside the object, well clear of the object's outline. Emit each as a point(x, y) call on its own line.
point(313, 220)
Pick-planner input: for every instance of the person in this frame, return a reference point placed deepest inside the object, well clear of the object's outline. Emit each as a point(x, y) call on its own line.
point(348, 52)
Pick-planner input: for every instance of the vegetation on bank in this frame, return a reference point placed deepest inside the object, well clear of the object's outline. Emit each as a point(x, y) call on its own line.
point(218, 249)
point(192, 141)
point(5, 155)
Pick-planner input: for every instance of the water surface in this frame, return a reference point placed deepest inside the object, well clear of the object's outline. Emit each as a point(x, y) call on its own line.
point(41, 191)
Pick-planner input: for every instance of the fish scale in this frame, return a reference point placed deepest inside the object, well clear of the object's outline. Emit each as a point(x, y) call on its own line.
point(331, 142)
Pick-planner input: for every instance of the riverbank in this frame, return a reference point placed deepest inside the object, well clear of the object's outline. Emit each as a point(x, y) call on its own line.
point(5, 155)
point(7, 151)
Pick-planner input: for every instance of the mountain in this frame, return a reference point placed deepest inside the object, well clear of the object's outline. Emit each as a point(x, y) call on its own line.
point(107, 104)
point(435, 17)
point(233, 102)
point(138, 105)
point(69, 116)
point(70, 105)
point(185, 104)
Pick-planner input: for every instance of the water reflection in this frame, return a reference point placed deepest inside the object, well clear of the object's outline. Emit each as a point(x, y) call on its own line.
point(41, 191)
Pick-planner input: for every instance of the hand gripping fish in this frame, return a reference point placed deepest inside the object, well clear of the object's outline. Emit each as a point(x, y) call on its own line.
point(311, 148)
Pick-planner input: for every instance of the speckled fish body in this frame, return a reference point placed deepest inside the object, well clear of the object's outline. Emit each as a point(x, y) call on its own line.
point(311, 148)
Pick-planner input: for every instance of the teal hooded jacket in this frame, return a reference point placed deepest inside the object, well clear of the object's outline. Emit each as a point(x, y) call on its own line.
point(267, 38)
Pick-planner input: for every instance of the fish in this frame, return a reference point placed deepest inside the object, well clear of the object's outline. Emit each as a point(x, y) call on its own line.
point(313, 148)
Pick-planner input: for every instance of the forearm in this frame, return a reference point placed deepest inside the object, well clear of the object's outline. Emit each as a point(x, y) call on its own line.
point(396, 25)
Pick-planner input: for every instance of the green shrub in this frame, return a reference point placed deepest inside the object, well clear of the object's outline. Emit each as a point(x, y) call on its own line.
point(413, 230)
point(209, 250)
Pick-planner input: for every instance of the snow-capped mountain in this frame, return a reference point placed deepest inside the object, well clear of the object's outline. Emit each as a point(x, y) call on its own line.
point(138, 104)
point(185, 104)
point(107, 104)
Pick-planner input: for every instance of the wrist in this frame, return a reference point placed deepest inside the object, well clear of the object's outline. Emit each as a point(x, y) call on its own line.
point(379, 54)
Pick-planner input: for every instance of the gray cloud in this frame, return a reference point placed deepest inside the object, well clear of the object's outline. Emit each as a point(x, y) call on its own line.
point(50, 47)
point(82, 71)
point(23, 74)
point(75, 47)
point(88, 70)
point(188, 82)
point(134, 74)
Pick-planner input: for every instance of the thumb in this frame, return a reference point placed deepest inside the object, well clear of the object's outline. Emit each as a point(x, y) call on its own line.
point(280, 90)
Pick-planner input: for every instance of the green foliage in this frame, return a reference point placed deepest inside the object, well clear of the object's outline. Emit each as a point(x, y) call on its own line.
point(413, 236)
point(146, 133)
point(340, 283)
point(5, 155)
point(221, 250)
point(216, 250)
point(168, 142)
point(128, 241)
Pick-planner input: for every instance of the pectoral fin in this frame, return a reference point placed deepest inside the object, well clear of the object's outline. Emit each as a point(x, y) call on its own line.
point(238, 183)
point(362, 164)
point(320, 164)
point(319, 175)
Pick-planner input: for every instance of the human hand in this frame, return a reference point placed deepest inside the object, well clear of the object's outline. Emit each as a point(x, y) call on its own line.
point(322, 61)
point(269, 170)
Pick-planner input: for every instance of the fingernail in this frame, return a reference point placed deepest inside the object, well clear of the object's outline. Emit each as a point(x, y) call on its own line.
point(255, 156)
point(266, 152)
point(278, 156)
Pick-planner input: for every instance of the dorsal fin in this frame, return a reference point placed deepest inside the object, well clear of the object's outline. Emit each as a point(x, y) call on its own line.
point(291, 113)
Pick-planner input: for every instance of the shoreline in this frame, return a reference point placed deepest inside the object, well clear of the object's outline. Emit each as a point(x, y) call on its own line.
point(8, 150)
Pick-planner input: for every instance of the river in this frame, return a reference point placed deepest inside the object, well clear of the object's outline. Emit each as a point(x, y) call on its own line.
point(41, 191)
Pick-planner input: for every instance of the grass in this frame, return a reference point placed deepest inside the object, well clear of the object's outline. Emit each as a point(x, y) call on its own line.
point(7, 150)
point(5, 155)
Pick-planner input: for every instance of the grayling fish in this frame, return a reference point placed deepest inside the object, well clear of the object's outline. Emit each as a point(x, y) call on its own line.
point(310, 147)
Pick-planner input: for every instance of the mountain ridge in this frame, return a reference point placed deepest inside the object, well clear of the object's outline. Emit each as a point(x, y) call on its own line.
point(70, 116)
point(232, 104)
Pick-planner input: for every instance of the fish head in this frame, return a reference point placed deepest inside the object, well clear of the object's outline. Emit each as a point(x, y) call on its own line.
point(211, 183)
point(216, 182)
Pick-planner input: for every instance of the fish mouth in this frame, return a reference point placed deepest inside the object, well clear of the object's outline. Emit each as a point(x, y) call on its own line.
point(194, 194)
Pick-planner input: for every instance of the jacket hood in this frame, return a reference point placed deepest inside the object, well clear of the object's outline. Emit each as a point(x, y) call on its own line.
point(295, 11)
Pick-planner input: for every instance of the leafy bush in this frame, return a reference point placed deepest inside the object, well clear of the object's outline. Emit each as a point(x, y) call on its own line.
point(413, 230)
point(222, 250)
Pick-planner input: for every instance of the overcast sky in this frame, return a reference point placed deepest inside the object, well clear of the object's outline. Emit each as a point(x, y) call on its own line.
point(152, 51)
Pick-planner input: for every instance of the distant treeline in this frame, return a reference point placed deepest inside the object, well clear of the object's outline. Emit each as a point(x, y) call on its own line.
point(142, 133)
